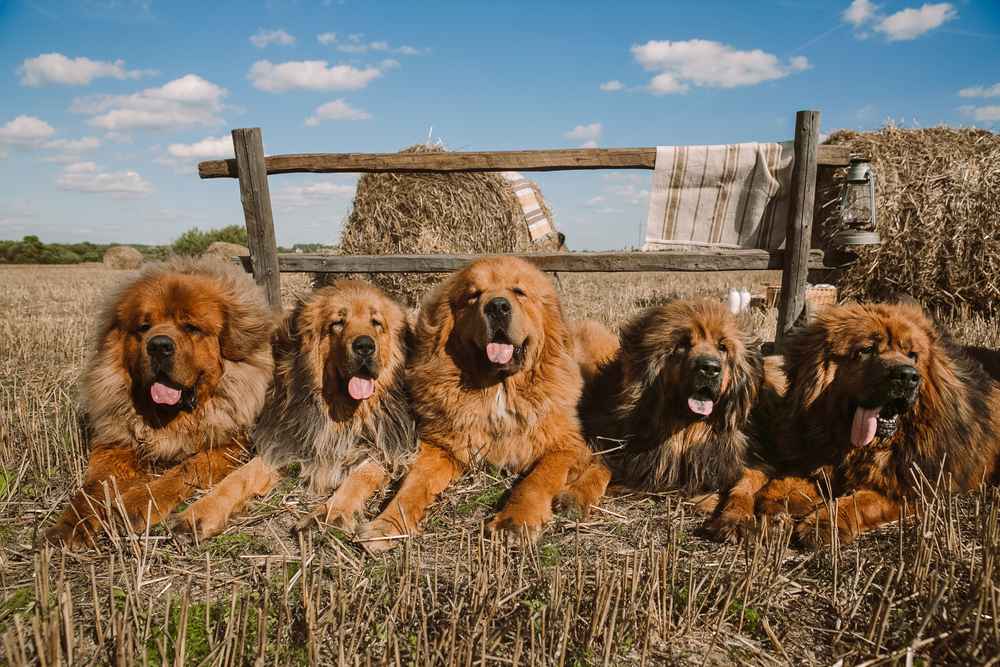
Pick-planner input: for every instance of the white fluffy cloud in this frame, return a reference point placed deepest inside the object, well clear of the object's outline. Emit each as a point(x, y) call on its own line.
point(326, 38)
point(309, 75)
point(911, 23)
point(183, 158)
point(26, 131)
point(87, 177)
point(185, 102)
point(981, 91)
point(706, 63)
point(612, 86)
point(588, 135)
point(55, 68)
point(355, 44)
point(859, 12)
point(336, 110)
point(987, 114)
point(208, 147)
point(69, 150)
point(264, 38)
point(319, 193)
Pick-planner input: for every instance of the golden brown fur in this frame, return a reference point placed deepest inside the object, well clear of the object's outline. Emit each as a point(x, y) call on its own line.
point(938, 413)
point(178, 377)
point(516, 411)
point(638, 405)
point(347, 445)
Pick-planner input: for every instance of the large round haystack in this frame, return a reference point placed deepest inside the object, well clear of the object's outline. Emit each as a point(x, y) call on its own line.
point(938, 215)
point(225, 250)
point(122, 257)
point(435, 213)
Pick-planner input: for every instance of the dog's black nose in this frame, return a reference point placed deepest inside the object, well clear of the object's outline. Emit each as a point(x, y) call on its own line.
point(498, 307)
point(708, 367)
point(905, 377)
point(363, 346)
point(160, 347)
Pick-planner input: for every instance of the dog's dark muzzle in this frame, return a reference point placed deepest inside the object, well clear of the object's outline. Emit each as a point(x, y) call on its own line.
point(706, 376)
point(498, 312)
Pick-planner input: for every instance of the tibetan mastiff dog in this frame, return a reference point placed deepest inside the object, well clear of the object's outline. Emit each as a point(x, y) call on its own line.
point(338, 407)
point(494, 380)
point(879, 403)
point(179, 375)
point(671, 406)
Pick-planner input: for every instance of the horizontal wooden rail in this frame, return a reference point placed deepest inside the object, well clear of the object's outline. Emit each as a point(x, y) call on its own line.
point(574, 262)
point(569, 159)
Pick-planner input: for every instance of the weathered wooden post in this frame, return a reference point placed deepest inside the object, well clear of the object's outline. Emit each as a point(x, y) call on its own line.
point(256, 198)
point(798, 234)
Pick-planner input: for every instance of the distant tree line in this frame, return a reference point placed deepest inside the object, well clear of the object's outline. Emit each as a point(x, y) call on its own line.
point(193, 242)
point(31, 250)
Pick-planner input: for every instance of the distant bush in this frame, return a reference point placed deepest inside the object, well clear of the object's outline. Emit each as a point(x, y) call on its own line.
point(31, 250)
point(195, 241)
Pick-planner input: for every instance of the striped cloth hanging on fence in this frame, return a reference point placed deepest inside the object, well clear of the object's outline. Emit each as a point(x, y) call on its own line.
point(539, 225)
point(730, 196)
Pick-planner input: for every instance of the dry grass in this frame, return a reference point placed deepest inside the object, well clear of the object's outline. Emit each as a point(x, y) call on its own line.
point(634, 584)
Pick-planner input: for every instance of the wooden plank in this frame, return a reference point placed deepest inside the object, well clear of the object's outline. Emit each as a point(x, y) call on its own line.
point(578, 262)
point(256, 198)
point(798, 233)
point(537, 160)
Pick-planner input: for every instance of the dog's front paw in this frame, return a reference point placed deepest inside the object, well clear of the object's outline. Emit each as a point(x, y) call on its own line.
point(380, 535)
point(730, 527)
point(200, 521)
point(526, 522)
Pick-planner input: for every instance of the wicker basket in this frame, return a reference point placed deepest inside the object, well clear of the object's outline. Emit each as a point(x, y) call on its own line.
point(817, 296)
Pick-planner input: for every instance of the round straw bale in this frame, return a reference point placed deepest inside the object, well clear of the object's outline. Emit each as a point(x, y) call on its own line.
point(122, 257)
point(938, 214)
point(428, 213)
point(225, 250)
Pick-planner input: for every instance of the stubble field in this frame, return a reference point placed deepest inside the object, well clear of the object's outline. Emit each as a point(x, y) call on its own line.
point(635, 583)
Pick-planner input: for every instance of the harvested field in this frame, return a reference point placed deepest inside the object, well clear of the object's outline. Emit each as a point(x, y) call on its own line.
point(633, 584)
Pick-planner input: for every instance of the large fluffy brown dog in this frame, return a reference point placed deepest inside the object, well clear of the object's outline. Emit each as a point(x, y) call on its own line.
point(338, 407)
point(677, 395)
point(493, 380)
point(876, 399)
point(182, 364)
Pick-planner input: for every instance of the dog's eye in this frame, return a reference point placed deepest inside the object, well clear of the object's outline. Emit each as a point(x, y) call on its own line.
point(473, 296)
point(336, 326)
point(682, 347)
point(143, 328)
point(518, 291)
point(723, 347)
point(913, 355)
point(377, 324)
point(191, 328)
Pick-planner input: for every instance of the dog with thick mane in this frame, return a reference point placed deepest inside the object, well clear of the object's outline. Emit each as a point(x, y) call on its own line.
point(178, 377)
point(338, 407)
point(494, 380)
point(672, 404)
point(878, 402)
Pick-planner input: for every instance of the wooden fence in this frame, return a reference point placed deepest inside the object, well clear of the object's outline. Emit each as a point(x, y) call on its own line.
point(252, 168)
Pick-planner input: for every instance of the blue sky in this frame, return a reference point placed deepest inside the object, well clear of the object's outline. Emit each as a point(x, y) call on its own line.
point(109, 104)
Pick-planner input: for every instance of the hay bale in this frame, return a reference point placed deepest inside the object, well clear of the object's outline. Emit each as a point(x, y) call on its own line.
point(938, 215)
point(225, 250)
point(122, 257)
point(431, 214)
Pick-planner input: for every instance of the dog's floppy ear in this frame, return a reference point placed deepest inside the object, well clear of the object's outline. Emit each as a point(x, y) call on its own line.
point(248, 326)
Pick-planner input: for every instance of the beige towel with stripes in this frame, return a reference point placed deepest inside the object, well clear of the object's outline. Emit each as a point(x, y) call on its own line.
point(539, 226)
point(731, 196)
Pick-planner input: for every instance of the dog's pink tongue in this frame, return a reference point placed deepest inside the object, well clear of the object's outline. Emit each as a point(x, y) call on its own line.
point(500, 353)
point(703, 408)
point(164, 395)
point(864, 426)
point(360, 388)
